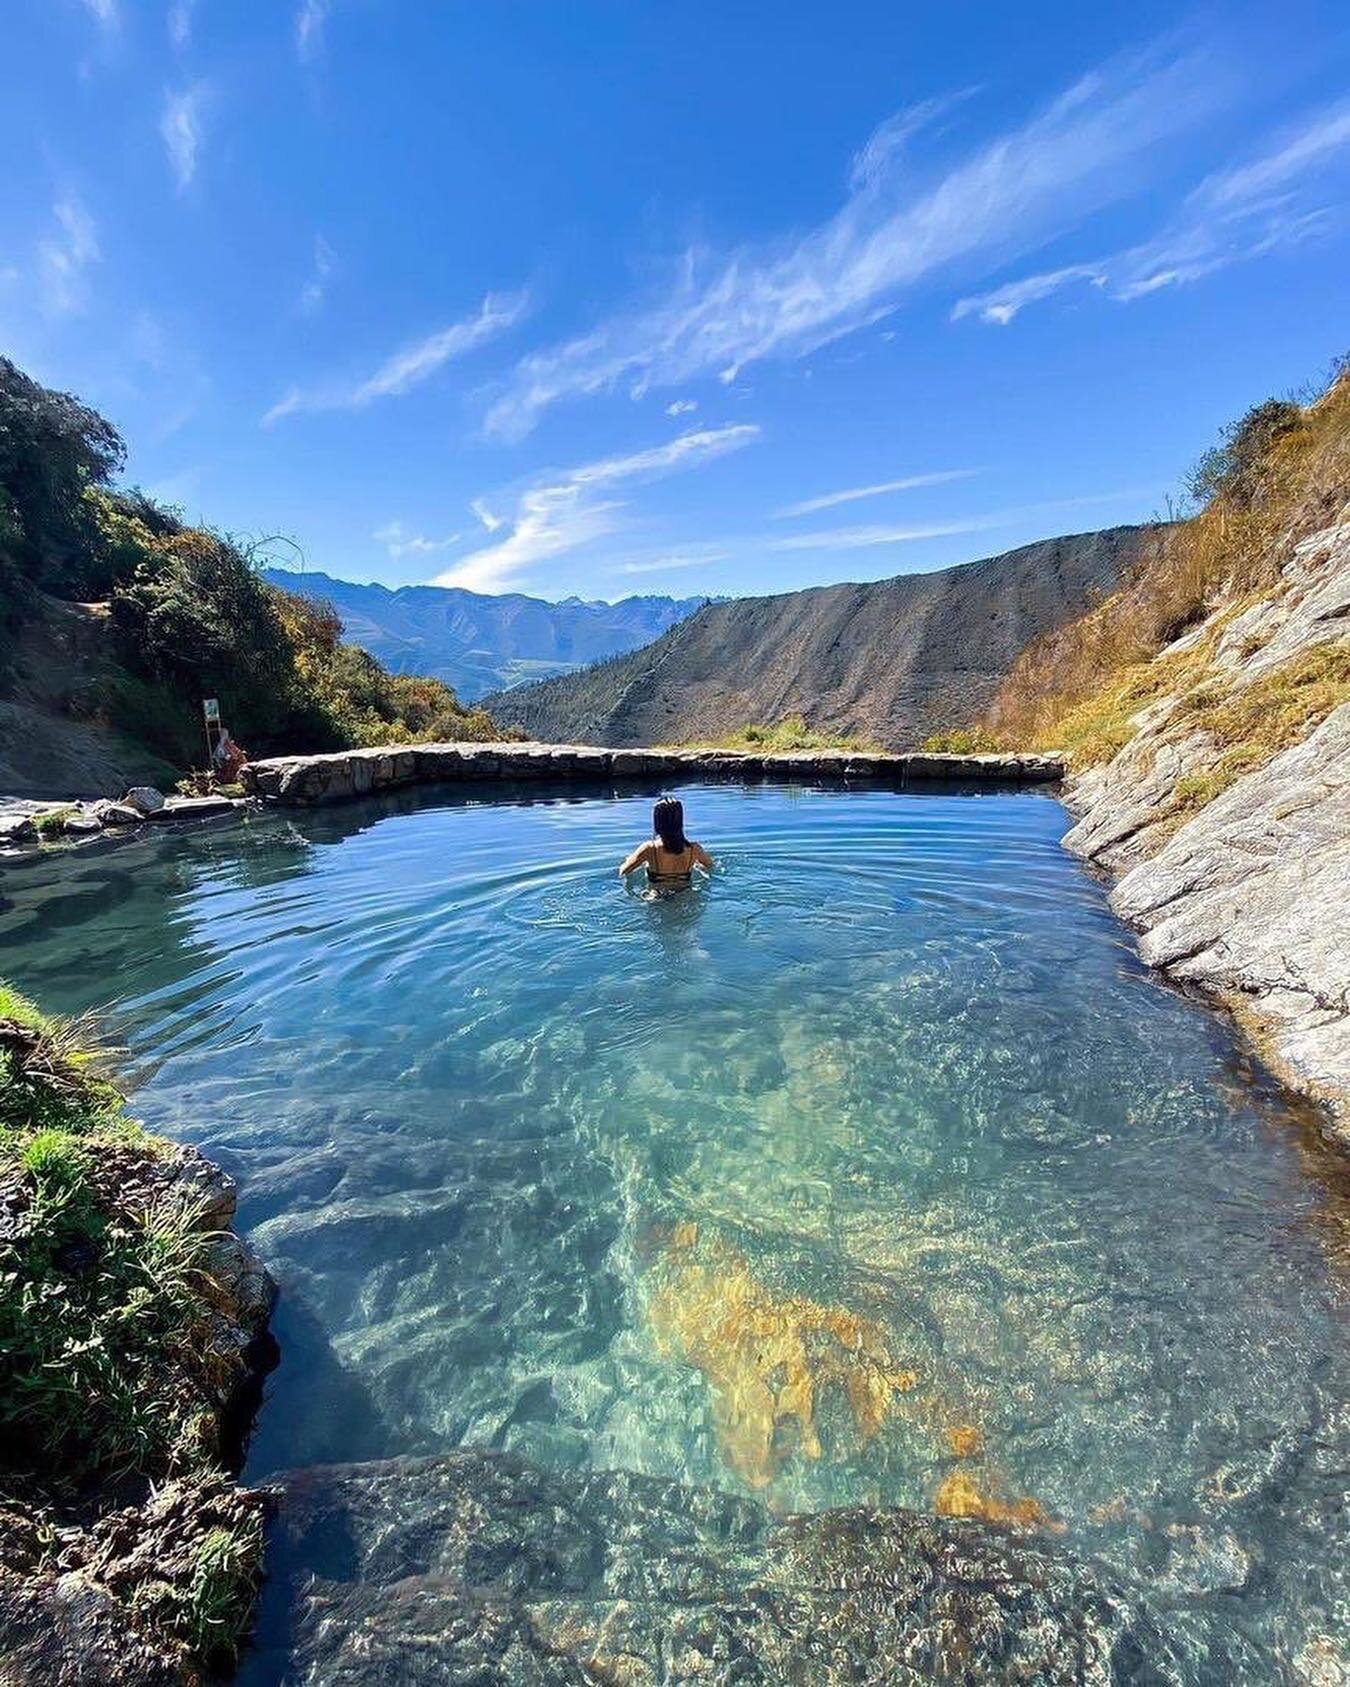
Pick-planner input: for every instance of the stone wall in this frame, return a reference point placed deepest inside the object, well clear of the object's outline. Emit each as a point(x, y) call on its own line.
point(300, 780)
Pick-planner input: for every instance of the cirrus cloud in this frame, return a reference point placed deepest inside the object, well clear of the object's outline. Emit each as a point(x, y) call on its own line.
point(1269, 202)
point(412, 365)
point(576, 507)
point(181, 127)
point(898, 227)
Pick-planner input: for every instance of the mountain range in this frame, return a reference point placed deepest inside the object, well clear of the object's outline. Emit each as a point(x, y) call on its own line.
point(888, 661)
point(479, 643)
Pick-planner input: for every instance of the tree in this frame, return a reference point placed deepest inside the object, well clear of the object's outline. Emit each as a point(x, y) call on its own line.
point(52, 450)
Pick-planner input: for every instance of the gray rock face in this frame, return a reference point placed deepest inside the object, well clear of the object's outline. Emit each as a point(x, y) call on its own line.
point(1250, 897)
point(59, 1629)
point(477, 1568)
point(117, 814)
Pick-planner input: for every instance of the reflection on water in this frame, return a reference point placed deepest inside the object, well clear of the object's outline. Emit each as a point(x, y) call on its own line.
point(877, 1170)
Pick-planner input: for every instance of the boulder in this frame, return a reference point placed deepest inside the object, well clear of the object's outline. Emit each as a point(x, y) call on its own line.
point(57, 1629)
point(117, 814)
point(194, 808)
point(145, 799)
point(475, 1566)
point(17, 829)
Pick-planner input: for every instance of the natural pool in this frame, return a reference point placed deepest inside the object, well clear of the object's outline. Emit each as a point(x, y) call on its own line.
point(876, 1170)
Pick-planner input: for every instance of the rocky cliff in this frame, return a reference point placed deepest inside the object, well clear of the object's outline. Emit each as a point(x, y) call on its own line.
point(1247, 894)
point(890, 661)
point(1204, 710)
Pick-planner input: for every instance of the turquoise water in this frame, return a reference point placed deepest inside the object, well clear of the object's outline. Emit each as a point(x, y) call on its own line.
point(877, 1169)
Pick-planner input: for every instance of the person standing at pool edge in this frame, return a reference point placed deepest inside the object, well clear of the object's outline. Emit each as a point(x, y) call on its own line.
point(668, 856)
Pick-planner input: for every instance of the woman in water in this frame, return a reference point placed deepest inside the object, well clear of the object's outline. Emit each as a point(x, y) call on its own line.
point(669, 857)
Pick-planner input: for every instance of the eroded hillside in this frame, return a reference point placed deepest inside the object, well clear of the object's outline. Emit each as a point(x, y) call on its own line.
point(889, 661)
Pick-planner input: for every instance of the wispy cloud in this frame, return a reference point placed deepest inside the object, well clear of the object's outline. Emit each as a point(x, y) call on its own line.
point(181, 128)
point(864, 538)
point(104, 12)
point(898, 227)
point(398, 541)
point(485, 515)
point(574, 509)
point(310, 18)
point(64, 257)
point(1260, 206)
point(315, 290)
point(180, 23)
point(696, 557)
point(411, 366)
point(851, 494)
point(682, 407)
point(1004, 303)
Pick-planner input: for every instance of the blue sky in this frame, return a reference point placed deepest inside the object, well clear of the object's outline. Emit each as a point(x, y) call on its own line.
point(616, 297)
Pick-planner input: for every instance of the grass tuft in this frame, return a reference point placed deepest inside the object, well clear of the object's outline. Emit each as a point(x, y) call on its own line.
point(111, 1369)
point(963, 741)
point(790, 733)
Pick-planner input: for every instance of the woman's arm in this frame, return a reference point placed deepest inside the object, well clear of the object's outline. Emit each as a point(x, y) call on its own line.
point(639, 856)
point(702, 857)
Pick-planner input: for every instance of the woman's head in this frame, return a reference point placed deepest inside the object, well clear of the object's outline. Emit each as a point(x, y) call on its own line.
point(668, 824)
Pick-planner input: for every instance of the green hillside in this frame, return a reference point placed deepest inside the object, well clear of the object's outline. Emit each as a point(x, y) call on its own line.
point(117, 618)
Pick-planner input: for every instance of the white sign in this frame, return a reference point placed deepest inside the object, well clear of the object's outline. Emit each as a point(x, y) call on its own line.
point(211, 708)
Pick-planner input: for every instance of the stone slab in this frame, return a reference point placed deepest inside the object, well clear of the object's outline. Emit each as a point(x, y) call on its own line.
point(308, 780)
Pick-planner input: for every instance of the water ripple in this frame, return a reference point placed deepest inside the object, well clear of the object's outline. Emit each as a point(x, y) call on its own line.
point(883, 1132)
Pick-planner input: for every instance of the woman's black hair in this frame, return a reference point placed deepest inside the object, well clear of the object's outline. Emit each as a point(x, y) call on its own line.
point(668, 824)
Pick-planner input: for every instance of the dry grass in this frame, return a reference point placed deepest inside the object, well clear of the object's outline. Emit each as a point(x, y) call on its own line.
point(790, 733)
point(1252, 726)
point(1080, 687)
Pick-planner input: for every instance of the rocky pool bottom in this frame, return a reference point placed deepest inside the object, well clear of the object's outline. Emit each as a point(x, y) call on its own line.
point(858, 1265)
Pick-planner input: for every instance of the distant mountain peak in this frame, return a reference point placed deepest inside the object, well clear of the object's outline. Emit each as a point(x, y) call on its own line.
point(480, 641)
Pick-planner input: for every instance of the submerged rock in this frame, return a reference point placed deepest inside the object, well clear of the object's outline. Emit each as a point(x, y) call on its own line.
point(475, 1567)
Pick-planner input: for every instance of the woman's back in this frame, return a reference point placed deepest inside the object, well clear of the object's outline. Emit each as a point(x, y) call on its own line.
point(666, 866)
point(669, 857)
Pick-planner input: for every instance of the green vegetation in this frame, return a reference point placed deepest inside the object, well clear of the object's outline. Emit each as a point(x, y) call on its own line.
point(188, 614)
point(52, 823)
point(963, 741)
point(111, 1369)
point(92, 1294)
point(790, 733)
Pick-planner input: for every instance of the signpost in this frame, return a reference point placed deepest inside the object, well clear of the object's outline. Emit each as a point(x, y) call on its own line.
point(211, 716)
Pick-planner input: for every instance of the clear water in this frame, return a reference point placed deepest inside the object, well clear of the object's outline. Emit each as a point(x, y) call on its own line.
point(877, 1169)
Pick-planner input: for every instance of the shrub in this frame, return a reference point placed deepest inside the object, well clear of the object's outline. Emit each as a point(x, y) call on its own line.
point(191, 616)
point(963, 741)
point(1234, 468)
point(790, 733)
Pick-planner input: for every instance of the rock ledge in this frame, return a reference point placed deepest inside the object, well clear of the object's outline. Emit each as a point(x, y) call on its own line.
point(303, 780)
